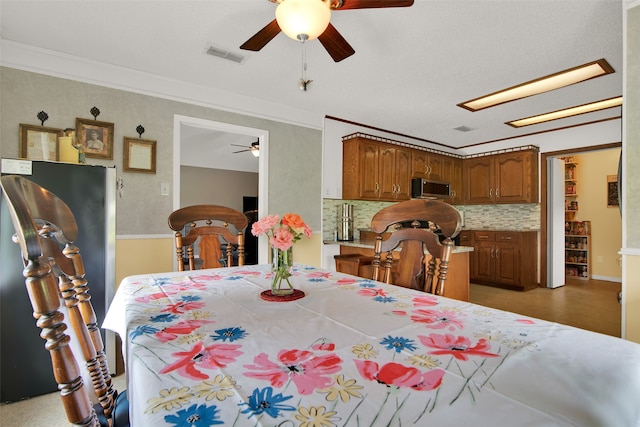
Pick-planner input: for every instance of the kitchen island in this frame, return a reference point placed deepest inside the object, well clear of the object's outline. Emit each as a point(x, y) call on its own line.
point(456, 286)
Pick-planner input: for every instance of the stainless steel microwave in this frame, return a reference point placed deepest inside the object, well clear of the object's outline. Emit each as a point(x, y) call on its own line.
point(427, 188)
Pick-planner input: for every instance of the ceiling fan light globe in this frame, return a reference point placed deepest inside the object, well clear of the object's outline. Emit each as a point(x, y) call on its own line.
point(307, 17)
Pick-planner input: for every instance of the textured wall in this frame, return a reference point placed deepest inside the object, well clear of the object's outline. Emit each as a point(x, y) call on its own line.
point(295, 151)
point(632, 123)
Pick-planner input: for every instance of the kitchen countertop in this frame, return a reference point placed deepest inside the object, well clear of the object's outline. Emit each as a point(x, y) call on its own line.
point(369, 244)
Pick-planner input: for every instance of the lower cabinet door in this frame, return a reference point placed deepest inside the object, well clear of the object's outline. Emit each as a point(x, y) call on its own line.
point(484, 261)
point(507, 263)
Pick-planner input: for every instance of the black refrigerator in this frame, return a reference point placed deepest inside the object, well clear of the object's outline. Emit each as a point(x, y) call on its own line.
point(25, 365)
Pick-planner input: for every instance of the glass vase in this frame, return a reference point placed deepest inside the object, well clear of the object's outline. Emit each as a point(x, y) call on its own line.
point(282, 269)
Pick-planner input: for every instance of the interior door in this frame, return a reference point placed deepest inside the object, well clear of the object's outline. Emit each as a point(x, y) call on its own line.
point(555, 222)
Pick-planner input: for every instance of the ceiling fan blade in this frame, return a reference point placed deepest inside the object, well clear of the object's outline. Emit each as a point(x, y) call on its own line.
point(370, 4)
point(262, 37)
point(237, 145)
point(241, 151)
point(335, 44)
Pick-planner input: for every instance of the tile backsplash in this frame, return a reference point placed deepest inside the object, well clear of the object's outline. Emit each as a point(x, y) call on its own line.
point(476, 217)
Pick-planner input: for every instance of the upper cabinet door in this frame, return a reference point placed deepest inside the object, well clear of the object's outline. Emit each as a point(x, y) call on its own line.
point(369, 176)
point(478, 180)
point(387, 172)
point(419, 164)
point(516, 177)
point(403, 174)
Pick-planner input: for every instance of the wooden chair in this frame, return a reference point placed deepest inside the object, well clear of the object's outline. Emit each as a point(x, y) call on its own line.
point(46, 230)
point(415, 225)
point(207, 224)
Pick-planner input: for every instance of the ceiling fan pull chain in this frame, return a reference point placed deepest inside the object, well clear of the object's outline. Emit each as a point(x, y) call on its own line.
point(304, 83)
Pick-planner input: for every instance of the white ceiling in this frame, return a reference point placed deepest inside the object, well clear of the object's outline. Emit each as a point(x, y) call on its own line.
point(411, 66)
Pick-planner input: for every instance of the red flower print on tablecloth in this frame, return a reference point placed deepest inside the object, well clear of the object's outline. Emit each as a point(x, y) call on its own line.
point(437, 319)
point(319, 274)
point(182, 306)
point(457, 346)
point(396, 374)
point(155, 296)
point(307, 370)
point(346, 281)
point(185, 286)
point(211, 357)
point(184, 327)
point(428, 300)
point(370, 292)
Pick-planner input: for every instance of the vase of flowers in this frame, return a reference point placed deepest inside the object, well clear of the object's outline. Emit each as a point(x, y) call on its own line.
point(283, 232)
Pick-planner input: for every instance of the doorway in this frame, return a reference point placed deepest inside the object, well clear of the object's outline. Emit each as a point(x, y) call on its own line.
point(209, 151)
point(544, 200)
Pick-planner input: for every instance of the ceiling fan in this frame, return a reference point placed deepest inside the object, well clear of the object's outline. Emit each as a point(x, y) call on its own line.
point(254, 148)
point(309, 19)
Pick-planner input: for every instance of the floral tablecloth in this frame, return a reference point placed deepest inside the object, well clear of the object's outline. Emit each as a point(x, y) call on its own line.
point(203, 349)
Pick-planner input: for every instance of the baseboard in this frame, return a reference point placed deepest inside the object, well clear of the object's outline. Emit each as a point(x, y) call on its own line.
point(607, 279)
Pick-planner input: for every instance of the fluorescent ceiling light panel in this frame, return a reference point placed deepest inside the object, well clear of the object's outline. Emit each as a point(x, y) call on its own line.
point(567, 112)
point(544, 84)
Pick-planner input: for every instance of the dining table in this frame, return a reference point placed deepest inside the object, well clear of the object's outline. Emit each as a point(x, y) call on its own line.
point(204, 348)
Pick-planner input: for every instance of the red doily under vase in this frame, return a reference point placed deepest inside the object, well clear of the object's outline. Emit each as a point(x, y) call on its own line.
point(268, 296)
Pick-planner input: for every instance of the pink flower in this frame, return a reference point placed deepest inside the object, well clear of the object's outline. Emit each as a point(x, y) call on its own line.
point(182, 306)
point(307, 371)
point(282, 239)
point(184, 327)
point(264, 225)
point(437, 319)
point(458, 347)
point(370, 292)
point(425, 300)
point(211, 357)
point(396, 374)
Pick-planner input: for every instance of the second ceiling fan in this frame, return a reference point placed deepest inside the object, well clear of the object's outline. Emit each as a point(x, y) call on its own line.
point(309, 19)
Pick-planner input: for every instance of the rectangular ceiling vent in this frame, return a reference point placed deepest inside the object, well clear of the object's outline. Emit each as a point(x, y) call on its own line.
point(463, 128)
point(225, 54)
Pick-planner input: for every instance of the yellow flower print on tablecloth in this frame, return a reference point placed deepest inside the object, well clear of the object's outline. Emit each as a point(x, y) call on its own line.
point(345, 389)
point(218, 388)
point(316, 416)
point(364, 351)
point(423, 361)
point(169, 399)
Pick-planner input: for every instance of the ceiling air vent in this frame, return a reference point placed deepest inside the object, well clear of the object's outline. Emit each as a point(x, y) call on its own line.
point(224, 54)
point(463, 128)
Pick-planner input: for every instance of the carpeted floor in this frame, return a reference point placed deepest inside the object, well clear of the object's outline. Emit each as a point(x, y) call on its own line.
point(591, 305)
point(45, 410)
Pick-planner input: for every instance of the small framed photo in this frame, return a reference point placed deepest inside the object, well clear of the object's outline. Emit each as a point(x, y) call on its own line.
point(39, 142)
point(95, 138)
point(139, 155)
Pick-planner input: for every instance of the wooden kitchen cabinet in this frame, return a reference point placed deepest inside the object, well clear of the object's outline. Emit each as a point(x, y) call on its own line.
point(502, 178)
point(428, 166)
point(506, 259)
point(375, 171)
point(453, 175)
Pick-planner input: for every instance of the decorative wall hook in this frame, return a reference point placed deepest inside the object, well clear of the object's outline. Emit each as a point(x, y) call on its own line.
point(43, 117)
point(140, 130)
point(95, 112)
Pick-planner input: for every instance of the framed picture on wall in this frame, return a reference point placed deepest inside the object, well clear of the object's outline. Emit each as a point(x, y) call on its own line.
point(39, 142)
point(139, 155)
point(95, 137)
